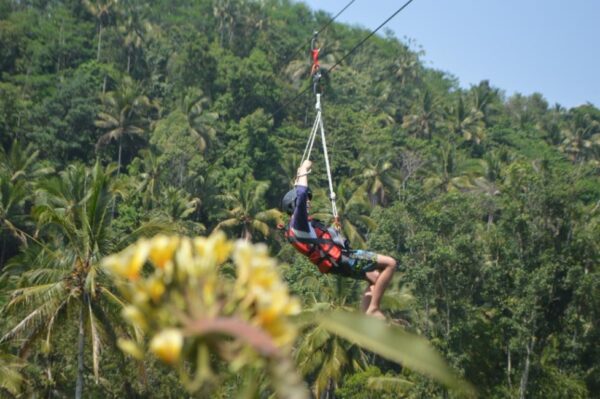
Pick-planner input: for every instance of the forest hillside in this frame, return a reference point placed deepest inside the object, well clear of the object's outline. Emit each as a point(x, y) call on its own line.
point(124, 119)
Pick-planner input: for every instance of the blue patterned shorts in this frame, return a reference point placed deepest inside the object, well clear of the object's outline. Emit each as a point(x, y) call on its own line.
point(356, 264)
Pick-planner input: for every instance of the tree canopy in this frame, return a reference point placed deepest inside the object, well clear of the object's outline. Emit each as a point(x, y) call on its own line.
point(122, 119)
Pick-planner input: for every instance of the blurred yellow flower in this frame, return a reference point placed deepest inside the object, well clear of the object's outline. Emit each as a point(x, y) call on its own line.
point(135, 316)
point(218, 245)
point(155, 288)
point(129, 263)
point(209, 290)
point(186, 265)
point(138, 258)
point(293, 307)
point(167, 344)
point(116, 264)
point(283, 332)
point(257, 296)
point(162, 249)
point(242, 256)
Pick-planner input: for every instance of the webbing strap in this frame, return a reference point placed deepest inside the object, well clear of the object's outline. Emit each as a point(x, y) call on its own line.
point(318, 126)
point(325, 153)
point(311, 139)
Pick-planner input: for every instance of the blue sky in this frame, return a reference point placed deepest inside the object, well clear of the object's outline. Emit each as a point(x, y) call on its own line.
point(526, 46)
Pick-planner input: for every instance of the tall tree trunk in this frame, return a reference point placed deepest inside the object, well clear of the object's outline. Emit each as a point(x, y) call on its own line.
point(80, 347)
point(60, 42)
point(447, 318)
point(99, 41)
point(114, 201)
point(427, 317)
point(246, 234)
point(490, 219)
point(181, 172)
point(525, 375)
point(330, 391)
point(119, 158)
point(3, 253)
point(104, 85)
point(508, 367)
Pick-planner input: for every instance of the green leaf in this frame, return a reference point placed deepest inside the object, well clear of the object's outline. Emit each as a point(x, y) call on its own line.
point(395, 344)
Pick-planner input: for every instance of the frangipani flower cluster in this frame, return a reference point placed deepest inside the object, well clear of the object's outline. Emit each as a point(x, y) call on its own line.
point(181, 298)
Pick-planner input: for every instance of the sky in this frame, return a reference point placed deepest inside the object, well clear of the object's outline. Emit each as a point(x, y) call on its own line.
point(547, 46)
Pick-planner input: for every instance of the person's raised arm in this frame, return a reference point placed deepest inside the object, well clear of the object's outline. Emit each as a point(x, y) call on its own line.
point(303, 171)
point(300, 216)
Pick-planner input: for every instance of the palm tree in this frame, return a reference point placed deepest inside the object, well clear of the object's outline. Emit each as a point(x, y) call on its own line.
point(407, 67)
point(581, 134)
point(379, 177)
point(226, 13)
point(60, 270)
point(22, 164)
point(101, 10)
point(146, 169)
point(12, 213)
point(122, 115)
point(324, 358)
point(487, 184)
point(178, 205)
point(11, 376)
point(132, 31)
point(201, 123)
point(237, 20)
point(19, 172)
point(466, 123)
point(486, 100)
point(246, 209)
point(424, 115)
point(451, 170)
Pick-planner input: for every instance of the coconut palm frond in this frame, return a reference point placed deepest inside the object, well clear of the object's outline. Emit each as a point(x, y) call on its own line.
point(96, 342)
point(158, 224)
point(36, 320)
point(351, 232)
point(106, 121)
point(11, 377)
point(227, 223)
point(36, 295)
point(389, 384)
point(261, 227)
point(46, 275)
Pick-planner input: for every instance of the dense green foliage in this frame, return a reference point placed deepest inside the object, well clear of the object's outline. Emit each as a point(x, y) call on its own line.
point(121, 119)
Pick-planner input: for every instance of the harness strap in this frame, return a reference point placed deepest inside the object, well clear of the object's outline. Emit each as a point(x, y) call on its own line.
point(314, 245)
point(311, 240)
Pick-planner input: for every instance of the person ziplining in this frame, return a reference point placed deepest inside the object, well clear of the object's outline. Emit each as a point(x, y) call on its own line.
point(325, 246)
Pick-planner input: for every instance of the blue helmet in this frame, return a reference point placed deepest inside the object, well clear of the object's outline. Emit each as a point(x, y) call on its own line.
point(288, 202)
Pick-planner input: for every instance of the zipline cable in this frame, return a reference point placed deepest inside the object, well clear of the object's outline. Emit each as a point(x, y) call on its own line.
point(318, 125)
point(360, 43)
point(303, 46)
point(370, 34)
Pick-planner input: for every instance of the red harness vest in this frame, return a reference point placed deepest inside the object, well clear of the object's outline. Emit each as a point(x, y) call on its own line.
point(325, 251)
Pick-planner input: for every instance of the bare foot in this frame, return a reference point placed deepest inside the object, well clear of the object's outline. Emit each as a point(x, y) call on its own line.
point(376, 313)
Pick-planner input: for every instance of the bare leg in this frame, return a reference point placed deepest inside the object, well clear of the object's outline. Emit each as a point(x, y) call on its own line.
point(368, 293)
point(386, 266)
point(366, 298)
